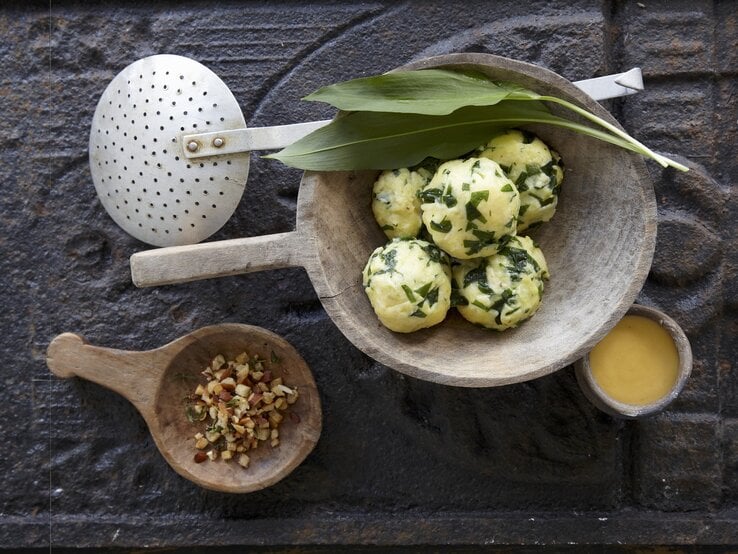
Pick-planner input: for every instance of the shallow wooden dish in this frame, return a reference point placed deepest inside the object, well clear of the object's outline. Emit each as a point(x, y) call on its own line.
point(599, 248)
point(599, 398)
point(157, 381)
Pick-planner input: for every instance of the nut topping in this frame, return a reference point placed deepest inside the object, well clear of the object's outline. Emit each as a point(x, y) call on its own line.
point(242, 405)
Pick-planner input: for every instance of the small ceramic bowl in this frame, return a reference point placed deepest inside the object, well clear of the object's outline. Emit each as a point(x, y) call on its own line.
point(607, 404)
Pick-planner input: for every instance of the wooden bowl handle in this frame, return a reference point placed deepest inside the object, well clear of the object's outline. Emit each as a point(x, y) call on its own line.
point(131, 374)
point(180, 264)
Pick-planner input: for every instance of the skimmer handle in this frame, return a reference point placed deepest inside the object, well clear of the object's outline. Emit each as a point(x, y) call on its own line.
point(180, 264)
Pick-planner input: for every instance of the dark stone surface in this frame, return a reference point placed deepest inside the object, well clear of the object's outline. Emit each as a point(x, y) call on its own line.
point(400, 461)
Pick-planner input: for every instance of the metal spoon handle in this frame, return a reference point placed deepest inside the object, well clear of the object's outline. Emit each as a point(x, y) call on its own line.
point(271, 138)
point(130, 374)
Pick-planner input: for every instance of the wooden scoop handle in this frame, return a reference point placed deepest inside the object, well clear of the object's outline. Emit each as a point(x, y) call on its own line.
point(180, 264)
point(131, 374)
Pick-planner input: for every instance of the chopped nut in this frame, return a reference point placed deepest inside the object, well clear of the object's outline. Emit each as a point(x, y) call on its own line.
point(225, 396)
point(220, 374)
point(228, 384)
point(242, 372)
point(245, 404)
point(255, 398)
point(218, 361)
point(285, 390)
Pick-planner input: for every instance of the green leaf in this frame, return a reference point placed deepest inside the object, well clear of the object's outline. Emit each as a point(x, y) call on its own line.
point(443, 227)
point(432, 296)
point(473, 213)
point(409, 293)
point(457, 299)
point(441, 92)
point(378, 140)
point(428, 196)
point(425, 91)
point(478, 196)
point(423, 291)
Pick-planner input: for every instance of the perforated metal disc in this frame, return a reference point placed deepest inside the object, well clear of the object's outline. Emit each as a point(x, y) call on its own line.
point(136, 154)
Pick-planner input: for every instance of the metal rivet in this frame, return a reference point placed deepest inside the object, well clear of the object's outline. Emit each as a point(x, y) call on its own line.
point(192, 146)
point(218, 142)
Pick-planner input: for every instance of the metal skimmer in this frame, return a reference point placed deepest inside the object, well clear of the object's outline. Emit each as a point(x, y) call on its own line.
point(169, 147)
point(141, 174)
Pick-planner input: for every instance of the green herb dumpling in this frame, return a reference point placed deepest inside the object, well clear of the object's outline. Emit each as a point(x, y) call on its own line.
point(395, 201)
point(408, 283)
point(470, 207)
point(500, 291)
point(535, 169)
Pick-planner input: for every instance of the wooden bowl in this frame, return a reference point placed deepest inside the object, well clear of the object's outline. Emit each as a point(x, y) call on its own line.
point(599, 248)
point(157, 381)
point(607, 404)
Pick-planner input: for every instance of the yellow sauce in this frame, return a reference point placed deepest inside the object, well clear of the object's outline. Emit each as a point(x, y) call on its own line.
point(637, 362)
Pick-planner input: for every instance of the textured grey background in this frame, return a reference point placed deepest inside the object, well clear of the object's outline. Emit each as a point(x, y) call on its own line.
point(400, 461)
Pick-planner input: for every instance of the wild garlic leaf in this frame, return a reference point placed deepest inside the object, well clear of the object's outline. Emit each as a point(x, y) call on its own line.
point(442, 91)
point(425, 91)
point(378, 140)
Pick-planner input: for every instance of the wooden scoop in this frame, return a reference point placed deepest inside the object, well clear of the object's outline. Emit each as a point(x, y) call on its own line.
point(157, 381)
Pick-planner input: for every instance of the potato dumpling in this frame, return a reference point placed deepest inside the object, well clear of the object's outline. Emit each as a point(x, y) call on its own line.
point(500, 291)
point(395, 201)
point(470, 207)
point(408, 283)
point(535, 169)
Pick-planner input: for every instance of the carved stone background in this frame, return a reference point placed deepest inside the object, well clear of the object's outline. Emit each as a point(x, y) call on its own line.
point(400, 461)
